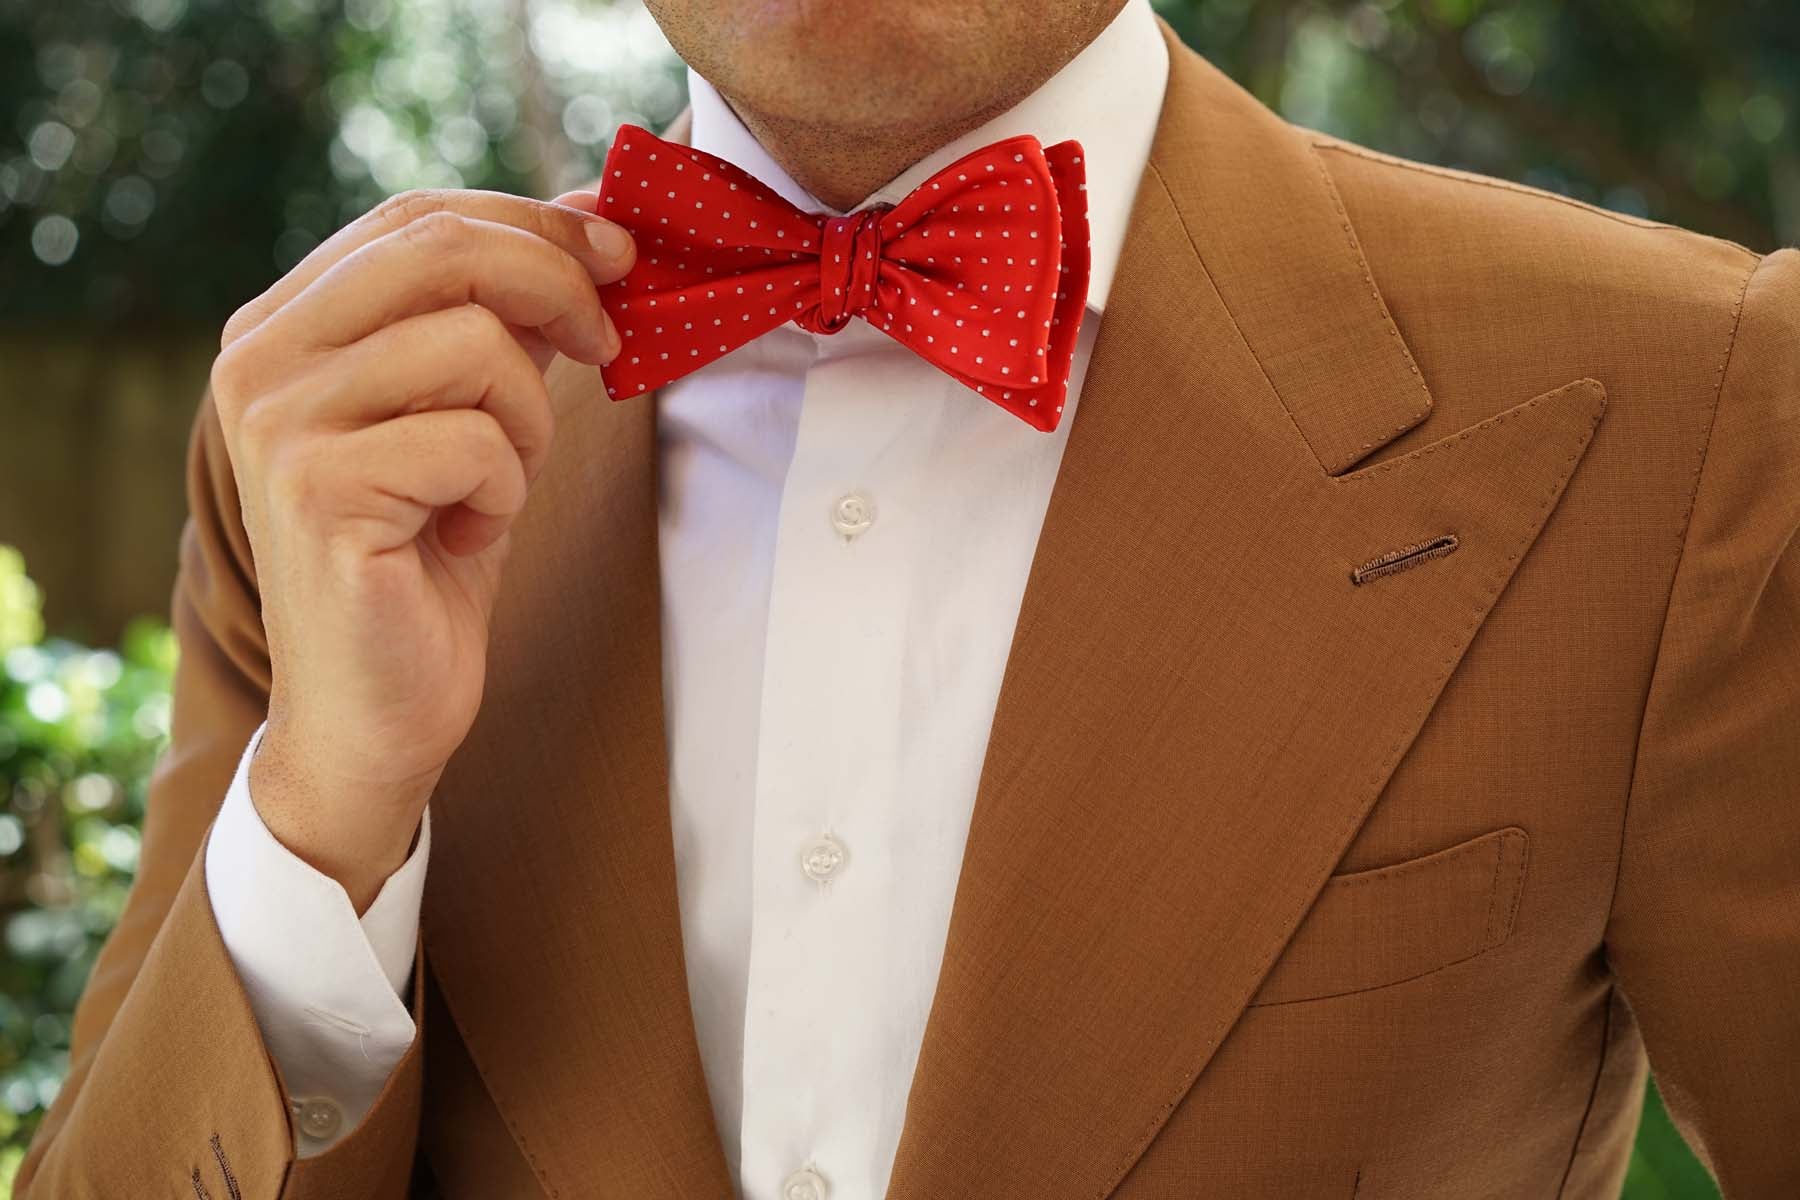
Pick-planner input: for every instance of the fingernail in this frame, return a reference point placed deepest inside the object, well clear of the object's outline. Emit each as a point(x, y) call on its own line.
point(608, 238)
point(610, 341)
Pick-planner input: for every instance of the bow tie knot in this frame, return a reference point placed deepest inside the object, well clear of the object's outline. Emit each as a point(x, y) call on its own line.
point(981, 270)
point(849, 265)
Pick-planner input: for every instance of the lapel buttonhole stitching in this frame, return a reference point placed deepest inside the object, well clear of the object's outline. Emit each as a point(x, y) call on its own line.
point(1403, 558)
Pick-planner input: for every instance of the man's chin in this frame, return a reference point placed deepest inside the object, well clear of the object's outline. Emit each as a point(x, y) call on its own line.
point(797, 60)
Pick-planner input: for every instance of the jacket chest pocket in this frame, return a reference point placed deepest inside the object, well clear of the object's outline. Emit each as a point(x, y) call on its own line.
point(1384, 926)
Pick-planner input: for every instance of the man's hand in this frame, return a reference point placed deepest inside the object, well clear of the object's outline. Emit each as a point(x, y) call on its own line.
point(385, 412)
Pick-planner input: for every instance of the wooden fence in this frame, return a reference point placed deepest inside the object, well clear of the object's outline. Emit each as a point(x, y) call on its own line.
point(93, 433)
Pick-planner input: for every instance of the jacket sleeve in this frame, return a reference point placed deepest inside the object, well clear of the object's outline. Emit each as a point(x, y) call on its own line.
point(1704, 936)
point(171, 1090)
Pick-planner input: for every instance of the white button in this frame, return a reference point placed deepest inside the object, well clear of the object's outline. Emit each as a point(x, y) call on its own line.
point(822, 857)
point(852, 513)
point(805, 1184)
point(319, 1118)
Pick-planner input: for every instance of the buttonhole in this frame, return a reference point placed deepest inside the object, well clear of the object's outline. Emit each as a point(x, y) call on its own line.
point(1395, 561)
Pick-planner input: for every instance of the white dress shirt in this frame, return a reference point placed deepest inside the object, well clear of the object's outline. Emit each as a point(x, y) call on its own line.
point(845, 535)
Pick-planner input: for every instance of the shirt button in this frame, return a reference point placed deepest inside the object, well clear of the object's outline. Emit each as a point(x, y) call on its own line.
point(319, 1118)
point(821, 858)
point(805, 1184)
point(852, 513)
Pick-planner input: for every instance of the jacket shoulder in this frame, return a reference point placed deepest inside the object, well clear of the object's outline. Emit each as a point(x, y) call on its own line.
point(1493, 281)
point(1525, 235)
point(1366, 176)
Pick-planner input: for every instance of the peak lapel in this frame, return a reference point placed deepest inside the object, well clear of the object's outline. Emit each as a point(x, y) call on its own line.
point(1200, 707)
point(551, 920)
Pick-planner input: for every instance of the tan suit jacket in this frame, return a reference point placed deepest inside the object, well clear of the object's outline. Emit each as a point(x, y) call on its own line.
point(1289, 875)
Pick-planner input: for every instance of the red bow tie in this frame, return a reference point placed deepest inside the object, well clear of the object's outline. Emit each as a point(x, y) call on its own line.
point(982, 270)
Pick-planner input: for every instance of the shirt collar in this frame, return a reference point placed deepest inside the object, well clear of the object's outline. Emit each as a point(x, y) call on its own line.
point(1108, 98)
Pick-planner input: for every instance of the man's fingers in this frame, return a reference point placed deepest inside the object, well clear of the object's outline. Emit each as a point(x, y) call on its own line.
point(462, 357)
point(389, 479)
point(441, 261)
point(570, 223)
point(541, 351)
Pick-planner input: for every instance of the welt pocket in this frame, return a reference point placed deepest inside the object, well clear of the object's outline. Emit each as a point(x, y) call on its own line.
point(1369, 929)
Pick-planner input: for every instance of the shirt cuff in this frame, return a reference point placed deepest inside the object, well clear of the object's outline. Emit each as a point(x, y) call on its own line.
point(327, 987)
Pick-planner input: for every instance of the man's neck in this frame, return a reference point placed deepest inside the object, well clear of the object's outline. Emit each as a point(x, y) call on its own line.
point(842, 167)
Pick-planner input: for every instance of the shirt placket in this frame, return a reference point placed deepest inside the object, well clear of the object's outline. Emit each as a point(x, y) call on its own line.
point(828, 763)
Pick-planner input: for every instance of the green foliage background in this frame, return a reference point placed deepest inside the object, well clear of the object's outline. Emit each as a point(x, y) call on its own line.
point(163, 160)
point(79, 730)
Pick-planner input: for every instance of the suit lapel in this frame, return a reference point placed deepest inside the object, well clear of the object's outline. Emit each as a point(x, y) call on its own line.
point(550, 917)
point(1200, 707)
